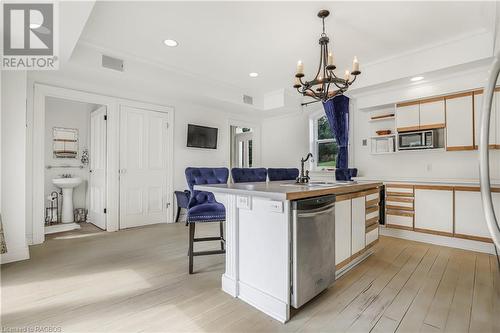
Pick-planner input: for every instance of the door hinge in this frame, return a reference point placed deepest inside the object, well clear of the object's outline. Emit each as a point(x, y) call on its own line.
point(105, 117)
point(105, 210)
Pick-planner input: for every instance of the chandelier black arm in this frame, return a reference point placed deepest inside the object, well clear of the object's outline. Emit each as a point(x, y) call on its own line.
point(319, 66)
point(349, 83)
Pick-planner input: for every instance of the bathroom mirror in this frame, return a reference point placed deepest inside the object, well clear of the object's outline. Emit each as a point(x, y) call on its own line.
point(65, 142)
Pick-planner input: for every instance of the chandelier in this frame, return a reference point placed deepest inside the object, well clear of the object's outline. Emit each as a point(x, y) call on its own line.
point(325, 84)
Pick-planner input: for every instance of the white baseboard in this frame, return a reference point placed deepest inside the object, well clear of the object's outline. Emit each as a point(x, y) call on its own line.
point(268, 304)
point(459, 243)
point(229, 285)
point(16, 254)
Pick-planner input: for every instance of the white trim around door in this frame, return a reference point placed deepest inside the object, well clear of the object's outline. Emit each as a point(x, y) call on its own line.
point(36, 131)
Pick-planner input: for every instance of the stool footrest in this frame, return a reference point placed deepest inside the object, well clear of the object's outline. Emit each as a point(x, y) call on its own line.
point(205, 239)
point(206, 253)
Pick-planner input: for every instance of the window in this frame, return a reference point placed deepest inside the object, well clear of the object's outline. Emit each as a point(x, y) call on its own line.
point(324, 144)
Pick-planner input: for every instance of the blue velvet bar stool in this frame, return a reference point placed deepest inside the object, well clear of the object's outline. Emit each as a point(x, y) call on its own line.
point(345, 174)
point(275, 174)
point(182, 198)
point(247, 175)
point(203, 208)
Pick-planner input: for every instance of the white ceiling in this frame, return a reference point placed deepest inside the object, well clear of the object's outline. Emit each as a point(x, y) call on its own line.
point(225, 41)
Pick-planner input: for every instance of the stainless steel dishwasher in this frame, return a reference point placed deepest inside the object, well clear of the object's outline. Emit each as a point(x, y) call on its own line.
point(312, 247)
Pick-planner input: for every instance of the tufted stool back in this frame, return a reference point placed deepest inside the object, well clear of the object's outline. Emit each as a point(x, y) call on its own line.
point(345, 174)
point(200, 176)
point(246, 175)
point(282, 173)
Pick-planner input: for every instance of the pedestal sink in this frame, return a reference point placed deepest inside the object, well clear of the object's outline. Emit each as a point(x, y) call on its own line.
point(67, 185)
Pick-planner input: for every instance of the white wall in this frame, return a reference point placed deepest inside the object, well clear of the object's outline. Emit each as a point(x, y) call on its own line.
point(145, 83)
point(13, 165)
point(418, 164)
point(285, 140)
point(68, 114)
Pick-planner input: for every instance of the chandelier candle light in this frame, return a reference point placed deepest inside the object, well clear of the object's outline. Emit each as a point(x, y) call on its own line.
point(319, 87)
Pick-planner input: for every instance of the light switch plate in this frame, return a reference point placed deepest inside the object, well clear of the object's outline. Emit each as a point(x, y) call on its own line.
point(244, 202)
point(276, 206)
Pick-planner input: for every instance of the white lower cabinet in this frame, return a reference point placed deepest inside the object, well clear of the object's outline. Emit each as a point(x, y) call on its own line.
point(434, 210)
point(342, 230)
point(469, 217)
point(358, 224)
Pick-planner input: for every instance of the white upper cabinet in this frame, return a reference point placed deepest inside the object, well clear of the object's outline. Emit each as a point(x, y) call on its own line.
point(434, 210)
point(459, 122)
point(494, 120)
point(407, 117)
point(432, 114)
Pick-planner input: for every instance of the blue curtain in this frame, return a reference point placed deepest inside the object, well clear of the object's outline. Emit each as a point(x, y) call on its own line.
point(337, 112)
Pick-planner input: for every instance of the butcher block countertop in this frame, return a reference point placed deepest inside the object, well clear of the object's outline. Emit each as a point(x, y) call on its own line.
point(289, 190)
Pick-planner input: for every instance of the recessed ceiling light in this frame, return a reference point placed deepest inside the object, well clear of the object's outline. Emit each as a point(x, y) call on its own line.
point(416, 78)
point(253, 74)
point(170, 42)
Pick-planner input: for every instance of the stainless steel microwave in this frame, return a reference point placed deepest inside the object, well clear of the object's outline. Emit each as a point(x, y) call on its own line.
point(417, 140)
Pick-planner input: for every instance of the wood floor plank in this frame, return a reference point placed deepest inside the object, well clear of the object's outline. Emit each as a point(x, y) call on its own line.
point(370, 316)
point(398, 308)
point(460, 309)
point(439, 308)
point(481, 319)
point(136, 281)
point(416, 313)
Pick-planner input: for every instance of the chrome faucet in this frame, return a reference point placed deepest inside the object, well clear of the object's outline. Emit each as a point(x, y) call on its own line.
point(304, 177)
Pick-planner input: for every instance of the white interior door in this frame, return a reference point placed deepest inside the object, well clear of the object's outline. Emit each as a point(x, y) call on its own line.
point(97, 180)
point(244, 150)
point(143, 167)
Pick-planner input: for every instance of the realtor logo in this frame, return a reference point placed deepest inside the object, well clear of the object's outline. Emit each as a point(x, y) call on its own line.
point(28, 36)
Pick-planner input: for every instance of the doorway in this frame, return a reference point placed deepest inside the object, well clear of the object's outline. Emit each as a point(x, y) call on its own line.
point(107, 181)
point(242, 147)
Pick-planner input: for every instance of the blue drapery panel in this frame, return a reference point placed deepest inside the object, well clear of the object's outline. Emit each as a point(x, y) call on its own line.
point(337, 112)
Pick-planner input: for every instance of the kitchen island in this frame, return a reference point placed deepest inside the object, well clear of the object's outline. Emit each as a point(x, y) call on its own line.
point(259, 235)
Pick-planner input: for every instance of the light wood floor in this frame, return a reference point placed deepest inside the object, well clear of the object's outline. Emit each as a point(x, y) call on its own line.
point(136, 280)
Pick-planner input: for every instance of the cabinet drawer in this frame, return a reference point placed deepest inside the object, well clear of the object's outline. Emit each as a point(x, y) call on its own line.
point(371, 236)
point(373, 196)
point(400, 220)
point(372, 214)
point(399, 205)
point(399, 189)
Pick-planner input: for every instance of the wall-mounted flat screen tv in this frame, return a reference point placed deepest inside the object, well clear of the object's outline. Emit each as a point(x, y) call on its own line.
point(202, 137)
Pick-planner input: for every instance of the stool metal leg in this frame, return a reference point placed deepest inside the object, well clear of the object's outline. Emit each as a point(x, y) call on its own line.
point(221, 226)
point(178, 213)
point(191, 242)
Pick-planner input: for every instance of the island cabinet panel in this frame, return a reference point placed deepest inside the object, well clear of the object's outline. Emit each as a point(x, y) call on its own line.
point(260, 229)
point(407, 117)
point(432, 114)
point(460, 122)
point(358, 224)
point(434, 209)
point(469, 218)
point(494, 119)
point(342, 230)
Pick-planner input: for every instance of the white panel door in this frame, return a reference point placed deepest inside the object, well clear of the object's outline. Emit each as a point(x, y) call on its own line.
point(432, 114)
point(434, 210)
point(459, 122)
point(143, 167)
point(342, 230)
point(407, 116)
point(478, 103)
point(469, 215)
point(97, 179)
point(358, 224)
